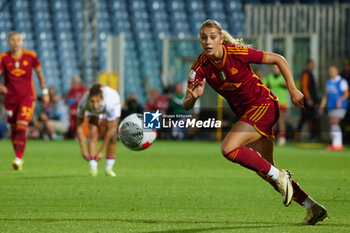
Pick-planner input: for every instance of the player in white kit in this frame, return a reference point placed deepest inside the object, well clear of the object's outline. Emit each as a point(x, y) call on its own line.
point(101, 105)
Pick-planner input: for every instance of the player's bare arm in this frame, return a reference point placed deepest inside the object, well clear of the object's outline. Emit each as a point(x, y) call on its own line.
point(45, 91)
point(323, 104)
point(111, 128)
point(342, 99)
point(81, 138)
point(193, 92)
point(296, 96)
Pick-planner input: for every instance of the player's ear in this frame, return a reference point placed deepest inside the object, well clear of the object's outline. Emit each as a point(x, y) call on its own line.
point(222, 38)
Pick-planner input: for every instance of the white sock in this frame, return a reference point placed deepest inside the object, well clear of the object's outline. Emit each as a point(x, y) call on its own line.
point(109, 164)
point(337, 135)
point(18, 160)
point(308, 203)
point(273, 173)
point(93, 164)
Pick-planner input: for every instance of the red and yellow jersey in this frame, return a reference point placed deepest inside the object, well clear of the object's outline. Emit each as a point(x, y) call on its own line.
point(18, 75)
point(234, 78)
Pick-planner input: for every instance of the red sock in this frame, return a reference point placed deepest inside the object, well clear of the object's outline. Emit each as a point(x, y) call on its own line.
point(299, 195)
point(20, 140)
point(110, 157)
point(249, 158)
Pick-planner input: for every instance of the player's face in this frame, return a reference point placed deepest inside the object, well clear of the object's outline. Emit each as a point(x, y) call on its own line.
point(211, 40)
point(95, 102)
point(311, 65)
point(15, 42)
point(333, 71)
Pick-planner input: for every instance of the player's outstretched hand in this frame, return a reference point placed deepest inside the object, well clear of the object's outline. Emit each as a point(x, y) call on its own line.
point(196, 88)
point(297, 98)
point(99, 156)
point(85, 155)
point(3, 89)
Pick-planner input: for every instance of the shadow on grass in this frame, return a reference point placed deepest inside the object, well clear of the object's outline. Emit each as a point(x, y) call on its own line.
point(247, 224)
point(52, 177)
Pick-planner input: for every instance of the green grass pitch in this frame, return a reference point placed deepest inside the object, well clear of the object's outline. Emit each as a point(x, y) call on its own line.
point(171, 187)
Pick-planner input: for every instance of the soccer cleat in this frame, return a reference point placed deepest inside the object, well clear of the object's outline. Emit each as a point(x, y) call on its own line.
point(335, 148)
point(315, 214)
point(17, 165)
point(285, 187)
point(110, 173)
point(93, 172)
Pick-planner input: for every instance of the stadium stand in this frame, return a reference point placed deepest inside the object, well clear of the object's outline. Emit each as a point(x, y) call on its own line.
point(53, 28)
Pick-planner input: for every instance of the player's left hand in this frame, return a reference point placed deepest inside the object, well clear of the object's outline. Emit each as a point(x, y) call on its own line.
point(46, 98)
point(99, 156)
point(297, 98)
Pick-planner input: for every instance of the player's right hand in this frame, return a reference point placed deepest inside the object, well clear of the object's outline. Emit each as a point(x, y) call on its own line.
point(297, 98)
point(85, 155)
point(3, 89)
point(99, 155)
point(196, 88)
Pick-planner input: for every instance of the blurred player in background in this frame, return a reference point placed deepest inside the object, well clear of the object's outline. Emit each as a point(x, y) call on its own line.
point(336, 99)
point(101, 106)
point(224, 64)
point(73, 97)
point(16, 66)
point(277, 85)
point(308, 88)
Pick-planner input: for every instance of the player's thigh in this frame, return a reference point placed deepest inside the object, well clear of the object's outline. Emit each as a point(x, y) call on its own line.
point(93, 124)
point(241, 134)
point(334, 120)
point(25, 112)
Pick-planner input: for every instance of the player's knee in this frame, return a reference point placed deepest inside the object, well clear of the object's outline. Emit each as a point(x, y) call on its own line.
point(226, 150)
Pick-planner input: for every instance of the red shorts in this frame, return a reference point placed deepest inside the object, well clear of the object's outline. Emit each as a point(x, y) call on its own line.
point(262, 117)
point(20, 111)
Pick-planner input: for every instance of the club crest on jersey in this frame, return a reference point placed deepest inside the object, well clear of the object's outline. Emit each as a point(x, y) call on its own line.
point(192, 75)
point(213, 76)
point(25, 62)
point(234, 71)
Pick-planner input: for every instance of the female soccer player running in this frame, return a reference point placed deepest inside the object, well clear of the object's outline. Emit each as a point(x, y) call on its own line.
point(101, 105)
point(224, 64)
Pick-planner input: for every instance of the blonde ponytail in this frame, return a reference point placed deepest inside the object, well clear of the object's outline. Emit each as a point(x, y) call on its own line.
point(228, 39)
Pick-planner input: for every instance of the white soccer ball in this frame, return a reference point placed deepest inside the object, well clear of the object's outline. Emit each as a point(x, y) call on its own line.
point(133, 135)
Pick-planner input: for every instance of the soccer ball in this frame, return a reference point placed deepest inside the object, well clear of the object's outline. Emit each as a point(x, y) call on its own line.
point(133, 135)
